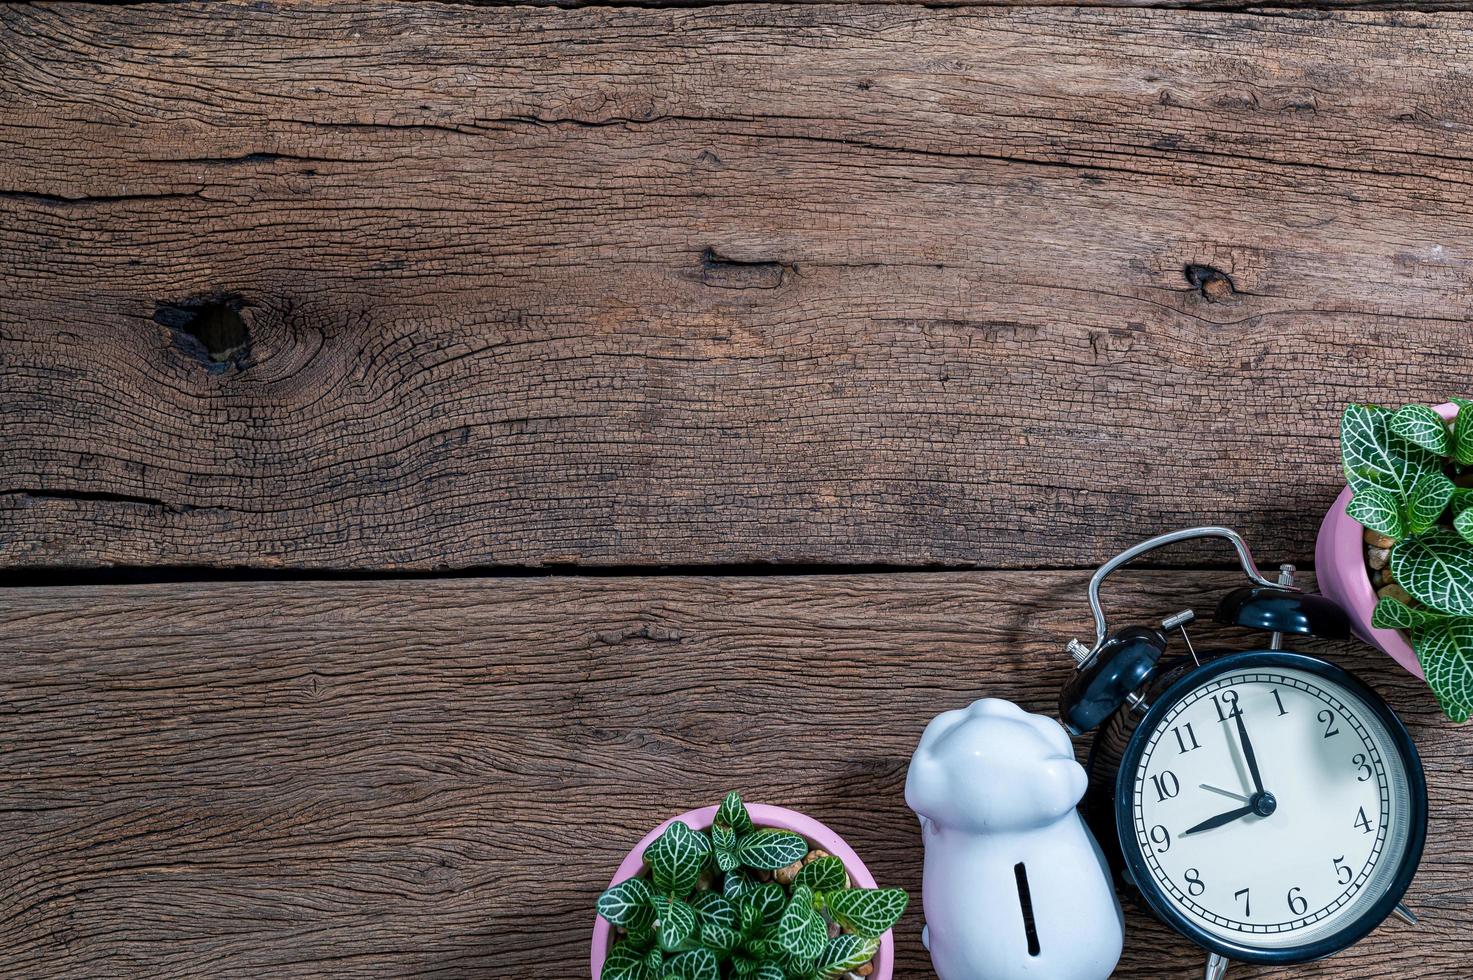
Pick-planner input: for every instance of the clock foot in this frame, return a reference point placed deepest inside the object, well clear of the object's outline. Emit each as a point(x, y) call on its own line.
point(1216, 967)
point(1405, 914)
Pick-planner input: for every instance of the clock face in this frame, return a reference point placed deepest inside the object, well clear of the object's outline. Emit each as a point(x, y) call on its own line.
point(1302, 850)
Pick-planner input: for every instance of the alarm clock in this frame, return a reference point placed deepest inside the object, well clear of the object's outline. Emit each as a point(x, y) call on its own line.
point(1265, 804)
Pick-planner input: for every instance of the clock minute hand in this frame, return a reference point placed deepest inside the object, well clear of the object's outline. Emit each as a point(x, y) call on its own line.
point(1248, 752)
point(1218, 821)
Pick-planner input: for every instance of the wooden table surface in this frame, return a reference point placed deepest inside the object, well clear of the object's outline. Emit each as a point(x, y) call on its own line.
point(631, 403)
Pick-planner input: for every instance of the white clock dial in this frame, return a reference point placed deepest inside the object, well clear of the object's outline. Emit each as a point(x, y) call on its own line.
point(1301, 856)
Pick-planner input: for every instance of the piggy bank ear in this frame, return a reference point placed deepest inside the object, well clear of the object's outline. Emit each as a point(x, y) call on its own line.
point(925, 785)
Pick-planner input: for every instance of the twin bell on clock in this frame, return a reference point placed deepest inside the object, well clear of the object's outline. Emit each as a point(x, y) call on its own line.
point(1265, 804)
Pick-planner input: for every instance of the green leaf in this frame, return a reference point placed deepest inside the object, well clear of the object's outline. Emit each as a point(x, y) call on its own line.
point(698, 964)
point(1446, 653)
point(867, 911)
point(769, 900)
point(1422, 426)
point(800, 930)
point(1437, 569)
point(713, 907)
point(1428, 499)
point(1462, 433)
point(744, 966)
point(1463, 524)
point(1375, 456)
point(769, 849)
point(733, 814)
point(676, 859)
point(736, 883)
point(654, 959)
point(677, 924)
point(627, 902)
point(1393, 614)
point(823, 874)
point(723, 847)
point(1378, 510)
point(626, 963)
point(768, 971)
point(723, 939)
point(1462, 498)
point(844, 953)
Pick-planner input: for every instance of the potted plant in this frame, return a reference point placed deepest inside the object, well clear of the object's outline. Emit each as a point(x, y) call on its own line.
point(1396, 549)
point(758, 893)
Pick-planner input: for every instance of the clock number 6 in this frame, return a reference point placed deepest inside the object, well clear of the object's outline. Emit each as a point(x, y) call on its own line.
point(1297, 904)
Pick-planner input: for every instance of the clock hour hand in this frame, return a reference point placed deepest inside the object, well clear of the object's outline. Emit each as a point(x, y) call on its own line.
point(1219, 820)
point(1248, 752)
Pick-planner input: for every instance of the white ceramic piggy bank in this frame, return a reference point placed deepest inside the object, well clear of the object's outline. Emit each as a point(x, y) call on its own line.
point(1015, 885)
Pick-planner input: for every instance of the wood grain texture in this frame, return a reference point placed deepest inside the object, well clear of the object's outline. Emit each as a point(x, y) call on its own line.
point(834, 284)
point(437, 777)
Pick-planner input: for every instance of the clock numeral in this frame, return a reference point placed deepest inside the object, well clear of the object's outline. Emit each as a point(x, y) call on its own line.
point(1329, 719)
point(1360, 762)
point(1226, 700)
point(1243, 894)
point(1161, 837)
point(1363, 822)
point(1167, 786)
point(1280, 702)
point(1297, 903)
point(1194, 882)
point(1182, 740)
point(1342, 871)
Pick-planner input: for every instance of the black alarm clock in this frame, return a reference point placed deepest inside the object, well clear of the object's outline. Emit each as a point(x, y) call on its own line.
point(1265, 804)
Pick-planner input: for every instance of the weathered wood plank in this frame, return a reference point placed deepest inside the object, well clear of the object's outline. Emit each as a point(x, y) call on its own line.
point(759, 284)
point(437, 777)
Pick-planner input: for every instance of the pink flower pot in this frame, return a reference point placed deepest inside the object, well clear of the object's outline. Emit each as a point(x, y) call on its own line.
point(1340, 569)
point(762, 815)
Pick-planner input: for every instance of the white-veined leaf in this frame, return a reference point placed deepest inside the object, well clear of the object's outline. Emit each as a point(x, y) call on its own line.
point(733, 814)
point(769, 900)
point(1393, 614)
point(736, 883)
point(1462, 432)
point(1445, 651)
point(1428, 499)
point(769, 849)
point(713, 907)
point(1375, 456)
point(1377, 509)
point(676, 859)
point(628, 903)
point(698, 964)
point(801, 931)
point(677, 924)
point(722, 939)
point(823, 874)
point(624, 962)
point(768, 971)
point(1421, 425)
point(1463, 524)
point(844, 953)
point(1437, 569)
point(867, 911)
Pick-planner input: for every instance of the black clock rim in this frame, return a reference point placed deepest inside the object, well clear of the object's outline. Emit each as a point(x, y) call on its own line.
point(1135, 860)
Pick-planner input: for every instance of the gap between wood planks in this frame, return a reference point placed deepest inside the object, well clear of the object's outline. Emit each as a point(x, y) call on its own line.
point(50, 577)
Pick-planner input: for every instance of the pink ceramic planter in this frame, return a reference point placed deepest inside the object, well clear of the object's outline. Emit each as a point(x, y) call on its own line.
point(811, 830)
point(1340, 569)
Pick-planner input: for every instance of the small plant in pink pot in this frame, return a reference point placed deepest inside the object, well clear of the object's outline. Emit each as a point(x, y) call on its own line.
point(1410, 472)
point(741, 901)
